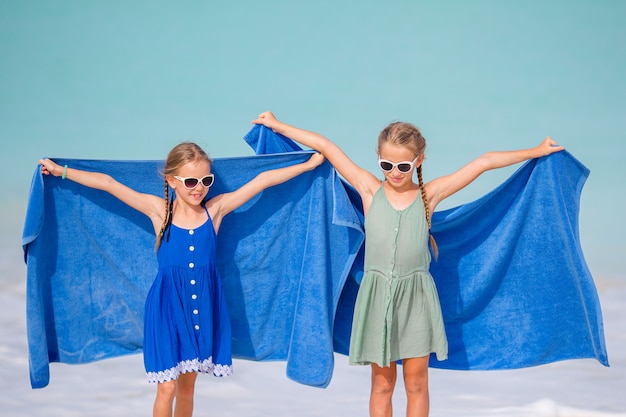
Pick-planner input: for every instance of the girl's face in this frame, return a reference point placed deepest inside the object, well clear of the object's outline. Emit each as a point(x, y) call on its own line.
point(398, 163)
point(198, 170)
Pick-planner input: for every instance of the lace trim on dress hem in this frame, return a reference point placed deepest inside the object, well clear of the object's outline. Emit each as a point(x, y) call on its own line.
point(192, 365)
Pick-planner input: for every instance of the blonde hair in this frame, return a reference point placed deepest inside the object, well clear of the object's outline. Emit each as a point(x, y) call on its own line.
point(180, 155)
point(409, 136)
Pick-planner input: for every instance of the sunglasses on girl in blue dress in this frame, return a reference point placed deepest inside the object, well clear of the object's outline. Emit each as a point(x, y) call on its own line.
point(404, 166)
point(191, 182)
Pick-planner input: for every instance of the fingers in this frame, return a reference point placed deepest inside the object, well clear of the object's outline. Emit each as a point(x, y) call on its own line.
point(317, 158)
point(551, 145)
point(263, 117)
point(47, 166)
point(549, 140)
point(44, 168)
point(259, 119)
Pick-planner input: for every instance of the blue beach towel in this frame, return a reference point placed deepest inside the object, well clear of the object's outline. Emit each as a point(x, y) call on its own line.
point(514, 286)
point(90, 262)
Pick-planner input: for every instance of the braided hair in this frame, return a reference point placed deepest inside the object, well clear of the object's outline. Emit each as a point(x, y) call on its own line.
point(180, 155)
point(409, 136)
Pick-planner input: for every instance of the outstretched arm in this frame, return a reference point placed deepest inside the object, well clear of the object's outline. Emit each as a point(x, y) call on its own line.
point(148, 204)
point(443, 187)
point(363, 181)
point(219, 206)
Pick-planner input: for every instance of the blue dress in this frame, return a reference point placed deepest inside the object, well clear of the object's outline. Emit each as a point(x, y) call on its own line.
point(186, 326)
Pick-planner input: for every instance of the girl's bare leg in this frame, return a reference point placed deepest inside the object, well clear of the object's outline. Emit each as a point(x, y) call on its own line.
point(415, 371)
point(383, 384)
point(184, 394)
point(164, 399)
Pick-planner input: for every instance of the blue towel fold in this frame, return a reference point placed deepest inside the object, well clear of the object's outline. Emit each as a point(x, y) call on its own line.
point(511, 275)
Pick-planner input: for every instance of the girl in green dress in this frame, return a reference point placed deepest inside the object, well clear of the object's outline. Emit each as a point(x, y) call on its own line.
point(397, 315)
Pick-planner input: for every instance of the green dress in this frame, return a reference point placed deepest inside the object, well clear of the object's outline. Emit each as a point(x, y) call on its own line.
point(397, 313)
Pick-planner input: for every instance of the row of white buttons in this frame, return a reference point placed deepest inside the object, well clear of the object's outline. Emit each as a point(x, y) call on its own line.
point(193, 281)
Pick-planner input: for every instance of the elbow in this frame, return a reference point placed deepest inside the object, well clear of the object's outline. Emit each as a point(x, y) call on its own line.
point(263, 180)
point(326, 147)
point(107, 182)
point(487, 161)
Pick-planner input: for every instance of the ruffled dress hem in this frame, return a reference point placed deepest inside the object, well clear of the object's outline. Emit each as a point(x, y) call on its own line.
point(206, 366)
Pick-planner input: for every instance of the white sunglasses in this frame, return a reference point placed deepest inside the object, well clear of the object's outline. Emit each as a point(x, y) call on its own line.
point(404, 166)
point(191, 182)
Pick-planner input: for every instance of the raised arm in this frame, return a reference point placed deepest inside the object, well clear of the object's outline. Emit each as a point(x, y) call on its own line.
point(362, 180)
point(443, 187)
point(220, 205)
point(148, 204)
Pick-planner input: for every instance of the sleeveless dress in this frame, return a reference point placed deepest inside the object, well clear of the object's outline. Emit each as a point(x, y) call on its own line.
point(186, 326)
point(397, 314)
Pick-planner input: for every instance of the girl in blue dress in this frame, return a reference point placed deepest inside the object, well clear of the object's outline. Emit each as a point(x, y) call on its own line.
point(186, 326)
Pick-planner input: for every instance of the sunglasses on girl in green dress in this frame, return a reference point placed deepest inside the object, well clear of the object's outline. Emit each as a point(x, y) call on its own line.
point(404, 166)
point(191, 182)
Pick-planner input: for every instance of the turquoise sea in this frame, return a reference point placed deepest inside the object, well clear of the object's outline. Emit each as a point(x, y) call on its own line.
point(128, 80)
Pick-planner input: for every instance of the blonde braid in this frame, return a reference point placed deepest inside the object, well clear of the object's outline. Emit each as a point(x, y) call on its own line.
point(433, 244)
point(166, 218)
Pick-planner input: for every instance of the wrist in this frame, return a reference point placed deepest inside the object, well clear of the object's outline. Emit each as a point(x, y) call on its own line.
point(277, 126)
